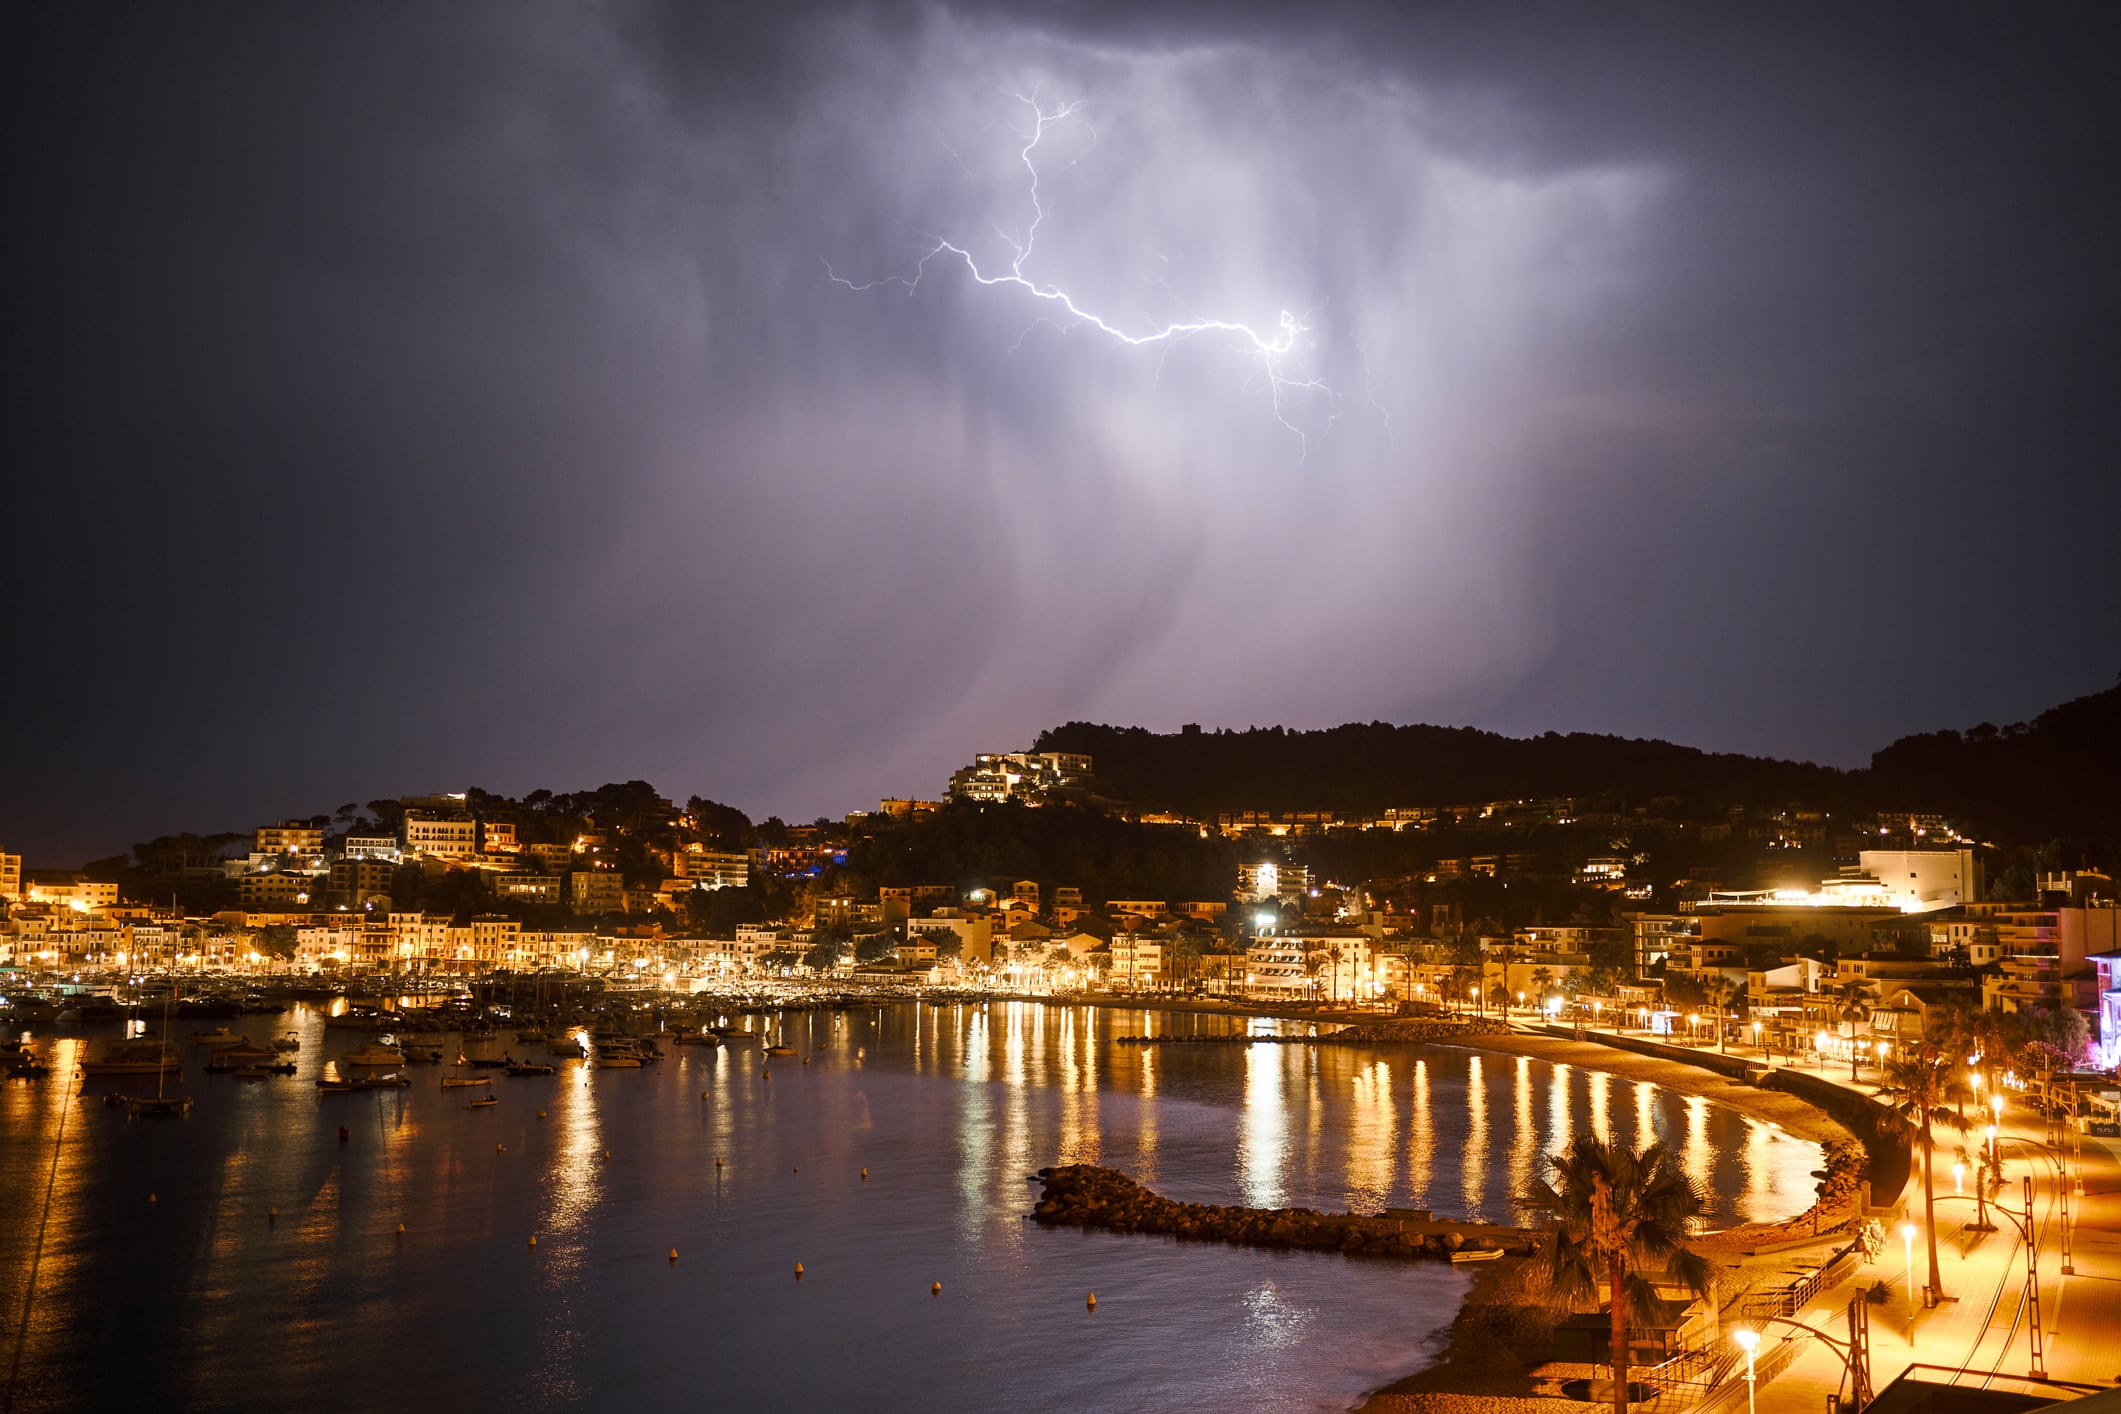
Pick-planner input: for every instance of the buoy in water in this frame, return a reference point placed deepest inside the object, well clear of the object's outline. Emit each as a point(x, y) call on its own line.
point(533, 1239)
point(793, 1169)
point(806, 1060)
point(401, 1231)
point(541, 1114)
point(500, 1148)
point(703, 1094)
point(150, 1197)
point(271, 1213)
point(673, 1256)
point(865, 1175)
point(1092, 1302)
point(607, 1153)
point(717, 1160)
point(935, 1288)
point(798, 1271)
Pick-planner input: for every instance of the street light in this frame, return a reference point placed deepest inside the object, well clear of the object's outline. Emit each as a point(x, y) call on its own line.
point(1958, 1173)
point(1907, 1237)
point(1747, 1341)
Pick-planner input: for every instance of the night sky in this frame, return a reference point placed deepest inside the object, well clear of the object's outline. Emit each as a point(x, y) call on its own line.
point(407, 397)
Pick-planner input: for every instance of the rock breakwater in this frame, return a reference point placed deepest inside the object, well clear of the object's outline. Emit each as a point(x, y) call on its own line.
point(1085, 1195)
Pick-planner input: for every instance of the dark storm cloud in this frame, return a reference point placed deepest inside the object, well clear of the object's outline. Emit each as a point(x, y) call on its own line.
point(405, 397)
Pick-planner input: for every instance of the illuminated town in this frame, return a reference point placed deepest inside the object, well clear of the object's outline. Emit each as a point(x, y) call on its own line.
point(1398, 708)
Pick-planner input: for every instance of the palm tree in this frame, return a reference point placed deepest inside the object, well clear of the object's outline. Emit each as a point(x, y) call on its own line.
point(1924, 1085)
point(1854, 998)
point(1542, 983)
point(1716, 994)
point(1614, 1215)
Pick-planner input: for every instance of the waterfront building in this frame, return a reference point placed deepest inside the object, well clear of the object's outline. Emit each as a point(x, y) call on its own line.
point(1137, 960)
point(1274, 968)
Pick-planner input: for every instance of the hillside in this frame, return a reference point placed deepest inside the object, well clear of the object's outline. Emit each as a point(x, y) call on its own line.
point(1366, 768)
point(2058, 775)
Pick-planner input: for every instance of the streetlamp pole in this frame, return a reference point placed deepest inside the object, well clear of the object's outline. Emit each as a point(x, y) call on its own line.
point(1747, 1341)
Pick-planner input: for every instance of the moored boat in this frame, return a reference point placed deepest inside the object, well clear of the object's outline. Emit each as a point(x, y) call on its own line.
point(531, 1068)
point(465, 1082)
point(135, 1058)
point(158, 1106)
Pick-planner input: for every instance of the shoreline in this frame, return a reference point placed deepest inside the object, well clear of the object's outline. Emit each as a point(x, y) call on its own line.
point(1474, 1367)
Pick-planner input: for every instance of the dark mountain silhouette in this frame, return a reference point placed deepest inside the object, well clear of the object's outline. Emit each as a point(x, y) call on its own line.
point(2056, 775)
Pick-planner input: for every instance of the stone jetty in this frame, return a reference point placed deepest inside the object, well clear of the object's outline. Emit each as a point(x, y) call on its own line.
point(1084, 1195)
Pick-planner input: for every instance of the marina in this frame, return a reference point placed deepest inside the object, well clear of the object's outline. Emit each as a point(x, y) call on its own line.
point(891, 1156)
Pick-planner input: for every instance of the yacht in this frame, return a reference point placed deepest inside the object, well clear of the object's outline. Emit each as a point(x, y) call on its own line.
point(135, 1058)
point(374, 1054)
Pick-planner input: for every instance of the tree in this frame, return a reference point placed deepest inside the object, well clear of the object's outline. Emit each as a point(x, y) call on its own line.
point(824, 954)
point(2055, 1036)
point(874, 948)
point(276, 941)
point(1854, 1001)
point(1619, 1217)
point(1717, 993)
point(1923, 1085)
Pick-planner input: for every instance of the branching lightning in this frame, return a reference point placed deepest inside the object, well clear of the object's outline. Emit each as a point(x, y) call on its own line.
point(1272, 352)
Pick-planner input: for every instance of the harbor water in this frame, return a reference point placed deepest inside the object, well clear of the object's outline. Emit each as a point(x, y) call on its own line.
point(139, 1266)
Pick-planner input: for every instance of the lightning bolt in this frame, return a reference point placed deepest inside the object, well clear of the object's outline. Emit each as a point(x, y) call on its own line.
point(1272, 351)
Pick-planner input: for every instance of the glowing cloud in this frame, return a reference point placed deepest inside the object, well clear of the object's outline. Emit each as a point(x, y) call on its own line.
point(1272, 352)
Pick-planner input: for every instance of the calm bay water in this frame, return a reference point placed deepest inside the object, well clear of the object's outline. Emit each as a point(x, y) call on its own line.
point(196, 1300)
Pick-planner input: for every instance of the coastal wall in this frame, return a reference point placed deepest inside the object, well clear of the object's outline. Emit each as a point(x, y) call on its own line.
point(1883, 1137)
point(1880, 1130)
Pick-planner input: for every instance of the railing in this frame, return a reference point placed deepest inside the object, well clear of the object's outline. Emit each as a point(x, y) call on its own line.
point(1789, 1300)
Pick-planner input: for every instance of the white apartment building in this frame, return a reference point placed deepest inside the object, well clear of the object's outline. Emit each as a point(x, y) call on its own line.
point(1274, 967)
point(446, 836)
point(712, 869)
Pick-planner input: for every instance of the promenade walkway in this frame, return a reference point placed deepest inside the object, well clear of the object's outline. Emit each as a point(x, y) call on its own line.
point(1984, 1328)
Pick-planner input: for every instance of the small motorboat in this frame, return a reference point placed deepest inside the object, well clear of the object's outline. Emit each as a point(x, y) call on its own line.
point(26, 1067)
point(780, 1050)
point(465, 1082)
point(1476, 1254)
point(289, 1042)
point(483, 1102)
point(219, 1036)
point(531, 1068)
point(372, 1056)
point(423, 1055)
point(698, 1038)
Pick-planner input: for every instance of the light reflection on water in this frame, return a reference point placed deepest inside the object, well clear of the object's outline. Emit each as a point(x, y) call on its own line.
point(948, 1107)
